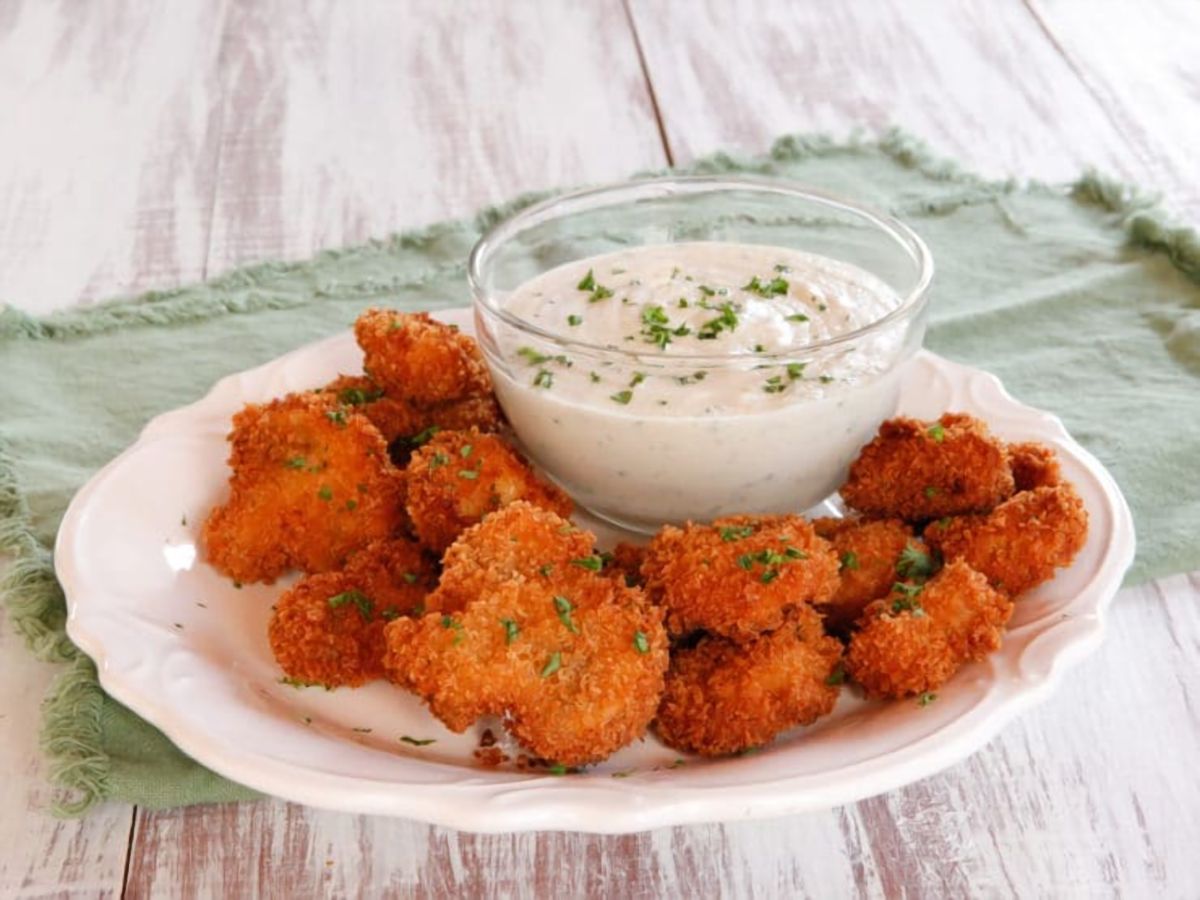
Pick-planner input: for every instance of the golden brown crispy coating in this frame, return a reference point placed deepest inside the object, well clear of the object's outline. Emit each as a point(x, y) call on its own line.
point(399, 418)
point(723, 697)
point(517, 543)
point(311, 484)
point(1020, 543)
point(328, 629)
point(868, 552)
point(916, 470)
point(574, 665)
point(740, 575)
point(458, 477)
point(1033, 465)
point(412, 355)
point(914, 640)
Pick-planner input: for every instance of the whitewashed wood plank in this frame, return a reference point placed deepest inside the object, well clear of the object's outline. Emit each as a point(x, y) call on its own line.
point(40, 854)
point(347, 121)
point(1142, 64)
point(106, 156)
point(980, 80)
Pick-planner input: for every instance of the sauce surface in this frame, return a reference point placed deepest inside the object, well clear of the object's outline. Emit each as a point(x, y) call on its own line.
point(646, 436)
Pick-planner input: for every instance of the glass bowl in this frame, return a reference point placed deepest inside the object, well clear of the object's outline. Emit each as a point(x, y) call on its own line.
point(648, 462)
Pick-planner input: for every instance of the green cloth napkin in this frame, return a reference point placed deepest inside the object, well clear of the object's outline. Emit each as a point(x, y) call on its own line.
point(1081, 298)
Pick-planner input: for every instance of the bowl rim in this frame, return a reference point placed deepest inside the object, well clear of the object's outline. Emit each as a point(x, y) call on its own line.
point(911, 303)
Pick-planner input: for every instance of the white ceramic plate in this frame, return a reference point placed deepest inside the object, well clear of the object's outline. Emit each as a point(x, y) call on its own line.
point(187, 650)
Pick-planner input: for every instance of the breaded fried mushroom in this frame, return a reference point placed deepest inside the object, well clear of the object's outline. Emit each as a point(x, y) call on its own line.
point(916, 470)
point(412, 355)
point(458, 477)
point(1033, 465)
point(406, 423)
point(520, 542)
point(740, 575)
point(1020, 543)
point(914, 640)
point(328, 629)
point(723, 697)
point(311, 484)
point(872, 555)
point(574, 665)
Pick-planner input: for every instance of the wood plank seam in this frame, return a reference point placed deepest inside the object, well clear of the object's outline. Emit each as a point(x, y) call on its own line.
point(658, 118)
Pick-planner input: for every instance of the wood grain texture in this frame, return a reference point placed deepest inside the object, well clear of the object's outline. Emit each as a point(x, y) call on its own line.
point(107, 155)
point(980, 80)
point(40, 854)
point(1141, 63)
point(341, 122)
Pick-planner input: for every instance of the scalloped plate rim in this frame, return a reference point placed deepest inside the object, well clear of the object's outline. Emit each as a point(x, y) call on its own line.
point(608, 805)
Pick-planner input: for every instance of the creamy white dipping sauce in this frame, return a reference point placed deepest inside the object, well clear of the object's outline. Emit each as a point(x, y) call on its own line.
point(655, 437)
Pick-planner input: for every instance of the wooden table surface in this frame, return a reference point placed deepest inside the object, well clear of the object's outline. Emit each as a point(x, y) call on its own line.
point(142, 147)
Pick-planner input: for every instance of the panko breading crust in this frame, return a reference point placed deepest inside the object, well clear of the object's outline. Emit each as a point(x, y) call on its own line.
point(311, 483)
point(415, 356)
point(328, 629)
point(723, 697)
point(916, 470)
point(1020, 543)
point(458, 477)
point(1033, 465)
point(868, 551)
point(738, 576)
point(574, 663)
point(914, 640)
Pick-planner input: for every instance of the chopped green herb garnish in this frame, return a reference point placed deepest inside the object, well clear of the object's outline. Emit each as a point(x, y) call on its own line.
point(390, 614)
point(438, 460)
point(926, 698)
point(622, 397)
point(563, 607)
point(930, 492)
point(797, 317)
point(594, 377)
point(351, 504)
point(914, 563)
point(588, 282)
point(640, 642)
point(357, 396)
point(796, 370)
point(553, 664)
point(337, 417)
point(543, 379)
point(826, 379)
point(296, 462)
point(469, 474)
point(511, 630)
point(691, 379)
point(592, 563)
point(727, 321)
point(736, 532)
point(409, 577)
point(465, 452)
point(574, 320)
point(418, 742)
point(298, 683)
point(422, 437)
point(837, 676)
point(638, 378)
point(772, 288)
point(850, 561)
point(365, 607)
point(769, 575)
point(545, 570)
point(705, 290)
point(531, 356)
point(325, 493)
point(937, 433)
point(457, 626)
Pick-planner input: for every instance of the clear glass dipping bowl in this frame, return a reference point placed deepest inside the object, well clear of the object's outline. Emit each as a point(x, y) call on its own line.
point(640, 469)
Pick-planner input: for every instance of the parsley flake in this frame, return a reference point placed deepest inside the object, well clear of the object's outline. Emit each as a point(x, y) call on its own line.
point(837, 676)
point(418, 742)
point(640, 642)
point(553, 664)
point(773, 288)
point(543, 379)
point(564, 608)
point(365, 607)
point(850, 561)
point(511, 630)
point(622, 397)
point(574, 320)
point(736, 533)
point(914, 563)
point(926, 698)
point(937, 433)
point(325, 493)
point(592, 563)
